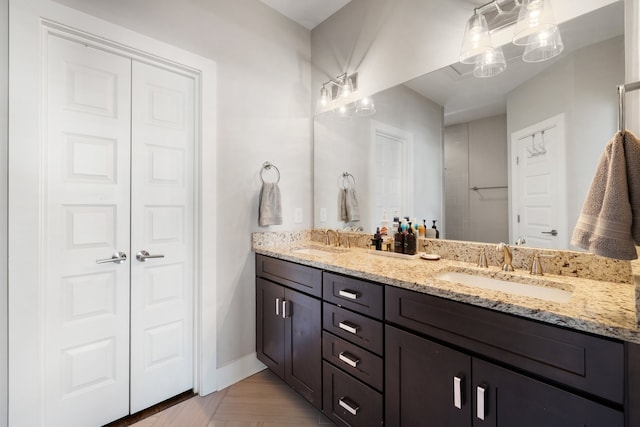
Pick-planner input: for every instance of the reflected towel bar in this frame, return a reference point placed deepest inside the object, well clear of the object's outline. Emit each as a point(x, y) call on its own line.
point(622, 89)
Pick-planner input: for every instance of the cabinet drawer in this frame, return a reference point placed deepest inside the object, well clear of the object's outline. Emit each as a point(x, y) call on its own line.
point(592, 364)
point(356, 361)
point(296, 276)
point(353, 327)
point(357, 295)
point(348, 402)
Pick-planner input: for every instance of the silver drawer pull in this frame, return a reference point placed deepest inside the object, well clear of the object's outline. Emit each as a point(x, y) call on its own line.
point(349, 405)
point(285, 309)
point(348, 327)
point(118, 258)
point(348, 359)
point(480, 401)
point(348, 294)
point(277, 306)
point(457, 391)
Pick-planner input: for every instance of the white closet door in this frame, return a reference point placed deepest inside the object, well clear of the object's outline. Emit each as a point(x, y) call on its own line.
point(162, 219)
point(86, 218)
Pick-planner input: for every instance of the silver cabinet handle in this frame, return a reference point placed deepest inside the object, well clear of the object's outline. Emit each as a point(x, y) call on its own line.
point(349, 405)
point(348, 359)
point(348, 327)
point(457, 391)
point(285, 309)
point(118, 258)
point(552, 232)
point(277, 306)
point(143, 255)
point(481, 401)
point(348, 294)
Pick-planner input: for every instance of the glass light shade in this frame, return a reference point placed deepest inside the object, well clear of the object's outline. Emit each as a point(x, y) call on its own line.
point(476, 41)
point(535, 17)
point(491, 64)
point(346, 87)
point(543, 46)
point(365, 107)
point(325, 98)
point(344, 112)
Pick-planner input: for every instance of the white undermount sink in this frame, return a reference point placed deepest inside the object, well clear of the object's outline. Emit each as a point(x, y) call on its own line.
point(546, 293)
point(319, 251)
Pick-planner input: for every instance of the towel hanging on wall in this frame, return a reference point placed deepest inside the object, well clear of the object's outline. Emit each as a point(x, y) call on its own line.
point(348, 209)
point(609, 223)
point(270, 203)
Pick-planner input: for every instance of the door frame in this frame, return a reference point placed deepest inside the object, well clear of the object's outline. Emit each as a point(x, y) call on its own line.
point(557, 121)
point(30, 23)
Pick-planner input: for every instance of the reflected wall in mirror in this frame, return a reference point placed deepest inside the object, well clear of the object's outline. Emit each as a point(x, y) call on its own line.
point(462, 129)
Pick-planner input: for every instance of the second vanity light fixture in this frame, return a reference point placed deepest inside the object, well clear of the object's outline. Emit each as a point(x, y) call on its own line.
point(535, 29)
point(339, 92)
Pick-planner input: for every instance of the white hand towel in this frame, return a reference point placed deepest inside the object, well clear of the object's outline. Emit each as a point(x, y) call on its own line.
point(342, 205)
point(609, 224)
point(270, 205)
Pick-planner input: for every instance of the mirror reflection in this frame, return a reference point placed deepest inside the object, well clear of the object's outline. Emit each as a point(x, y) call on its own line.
point(490, 159)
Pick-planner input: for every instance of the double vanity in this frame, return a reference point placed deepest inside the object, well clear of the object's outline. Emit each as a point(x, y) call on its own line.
point(372, 339)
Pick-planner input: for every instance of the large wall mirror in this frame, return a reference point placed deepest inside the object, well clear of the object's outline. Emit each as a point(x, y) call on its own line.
point(450, 147)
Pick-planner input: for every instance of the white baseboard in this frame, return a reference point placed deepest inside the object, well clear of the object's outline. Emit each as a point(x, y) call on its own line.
point(238, 370)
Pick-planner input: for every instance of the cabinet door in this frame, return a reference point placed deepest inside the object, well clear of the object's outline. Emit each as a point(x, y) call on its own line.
point(425, 381)
point(303, 345)
point(270, 325)
point(505, 398)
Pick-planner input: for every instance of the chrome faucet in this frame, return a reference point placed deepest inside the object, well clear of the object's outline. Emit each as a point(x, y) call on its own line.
point(329, 231)
point(482, 258)
point(508, 258)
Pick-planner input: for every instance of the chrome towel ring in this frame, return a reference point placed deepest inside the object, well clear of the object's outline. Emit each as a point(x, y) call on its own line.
point(266, 166)
point(345, 181)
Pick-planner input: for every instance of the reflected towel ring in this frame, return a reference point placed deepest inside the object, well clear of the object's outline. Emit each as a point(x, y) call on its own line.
point(344, 182)
point(267, 166)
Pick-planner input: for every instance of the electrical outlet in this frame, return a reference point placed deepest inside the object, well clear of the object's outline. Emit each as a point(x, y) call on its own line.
point(323, 214)
point(297, 216)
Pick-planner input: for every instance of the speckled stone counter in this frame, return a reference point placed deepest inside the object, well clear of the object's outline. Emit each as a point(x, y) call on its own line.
point(604, 306)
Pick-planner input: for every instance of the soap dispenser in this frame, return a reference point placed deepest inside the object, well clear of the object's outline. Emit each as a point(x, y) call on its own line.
point(435, 228)
point(398, 241)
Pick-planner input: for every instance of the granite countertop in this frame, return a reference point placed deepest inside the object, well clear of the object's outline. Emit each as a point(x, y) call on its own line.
point(596, 306)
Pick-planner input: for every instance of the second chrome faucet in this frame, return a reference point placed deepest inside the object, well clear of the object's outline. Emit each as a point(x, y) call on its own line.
point(508, 258)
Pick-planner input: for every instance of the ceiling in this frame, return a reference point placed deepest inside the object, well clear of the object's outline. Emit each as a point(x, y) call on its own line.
point(307, 13)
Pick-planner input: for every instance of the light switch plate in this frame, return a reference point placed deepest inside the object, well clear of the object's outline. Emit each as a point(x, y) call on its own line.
point(323, 214)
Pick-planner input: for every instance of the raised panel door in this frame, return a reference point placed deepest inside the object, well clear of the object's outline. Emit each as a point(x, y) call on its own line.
point(270, 325)
point(86, 218)
point(162, 221)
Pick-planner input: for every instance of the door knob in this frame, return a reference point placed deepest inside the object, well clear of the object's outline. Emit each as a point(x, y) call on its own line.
point(552, 232)
point(117, 258)
point(143, 255)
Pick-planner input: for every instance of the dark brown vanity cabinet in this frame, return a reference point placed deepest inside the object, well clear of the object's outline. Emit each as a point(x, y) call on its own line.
point(289, 324)
point(352, 348)
point(450, 364)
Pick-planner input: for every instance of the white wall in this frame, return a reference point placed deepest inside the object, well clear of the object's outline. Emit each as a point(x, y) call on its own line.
point(341, 146)
point(263, 103)
point(590, 111)
point(392, 41)
point(4, 100)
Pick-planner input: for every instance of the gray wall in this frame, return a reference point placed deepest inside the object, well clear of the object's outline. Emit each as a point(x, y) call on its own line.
point(590, 112)
point(4, 100)
point(476, 155)
point(263, 114)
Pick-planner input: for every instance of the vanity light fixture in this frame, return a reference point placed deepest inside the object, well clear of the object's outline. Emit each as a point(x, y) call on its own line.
point(338, 94)
point(535, 29)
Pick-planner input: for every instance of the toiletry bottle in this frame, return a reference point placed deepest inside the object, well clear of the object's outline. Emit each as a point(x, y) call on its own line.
point(377, 240)
point(435, 228)
point(398, 241)
point(421, 229)
point(410, 242)
point(395, 225)
point(385, 224)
